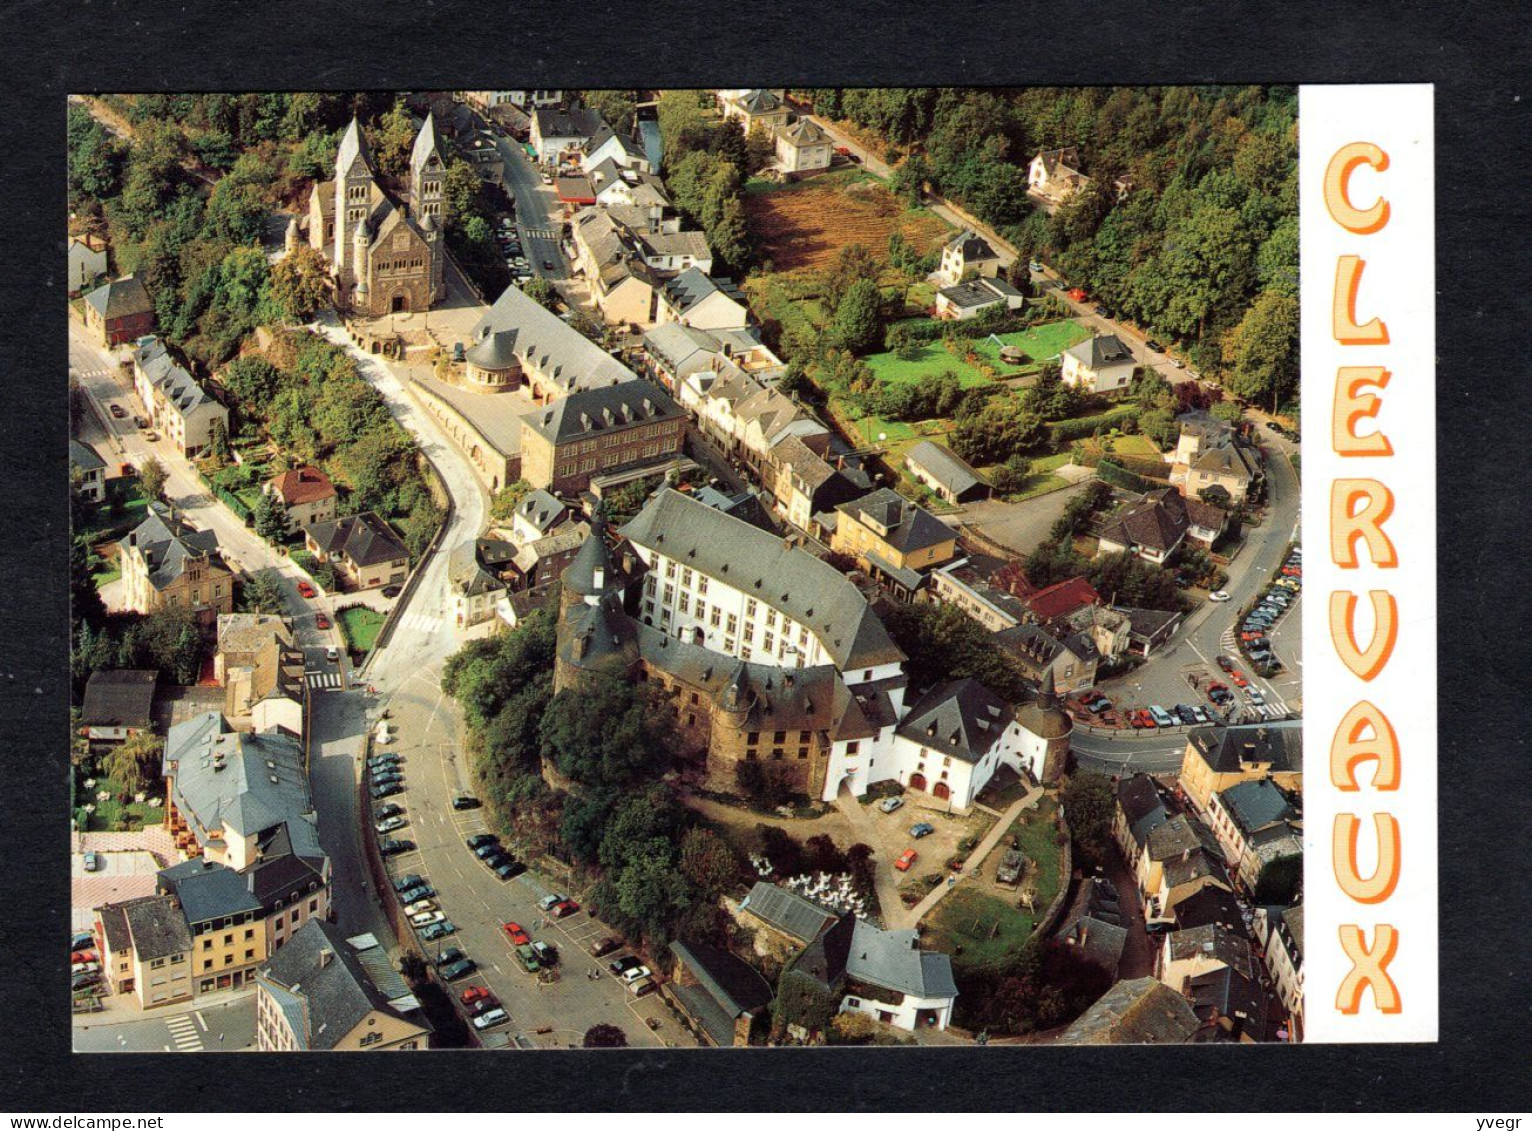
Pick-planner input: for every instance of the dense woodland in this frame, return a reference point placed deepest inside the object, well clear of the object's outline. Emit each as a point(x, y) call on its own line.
point(1203, 248)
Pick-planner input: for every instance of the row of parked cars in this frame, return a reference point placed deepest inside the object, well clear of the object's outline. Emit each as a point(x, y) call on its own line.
point(84, 962)
point(1271, 607)
point(487, 848)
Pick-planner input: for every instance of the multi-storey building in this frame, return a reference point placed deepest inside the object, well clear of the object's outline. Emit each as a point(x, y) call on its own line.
point(600, 431)
point(174, 401)
point(167, 564)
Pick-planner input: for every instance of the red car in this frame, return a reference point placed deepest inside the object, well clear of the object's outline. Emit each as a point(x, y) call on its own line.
point(321, 621)
point(1238, 679)
point(906, 859)
point(1248, 637)
point(305, 589)
point(843, 151)
point(83, 956)
point(1077, 293)
point(517, 934)
point(564, 908)
point(475, 993)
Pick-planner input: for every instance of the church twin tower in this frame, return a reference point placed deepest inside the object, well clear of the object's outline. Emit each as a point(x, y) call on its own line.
point(386, 257)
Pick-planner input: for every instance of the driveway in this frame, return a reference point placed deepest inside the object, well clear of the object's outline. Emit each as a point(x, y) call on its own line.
point(1019, 527)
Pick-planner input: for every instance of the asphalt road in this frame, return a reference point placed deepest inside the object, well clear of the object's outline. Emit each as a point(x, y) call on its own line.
point(538, 213)
point(225, 1027)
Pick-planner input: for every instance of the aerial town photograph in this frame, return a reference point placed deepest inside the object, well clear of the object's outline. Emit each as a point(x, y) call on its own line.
point(684, 569)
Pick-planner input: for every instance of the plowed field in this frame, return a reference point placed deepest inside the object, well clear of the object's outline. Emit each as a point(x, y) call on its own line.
point(807, 226)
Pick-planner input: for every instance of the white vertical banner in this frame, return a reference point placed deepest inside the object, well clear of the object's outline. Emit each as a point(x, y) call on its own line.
point(1366, 215)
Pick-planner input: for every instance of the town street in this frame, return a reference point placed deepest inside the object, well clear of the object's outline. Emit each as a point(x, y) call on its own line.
point(537, 211)
point(225, 1026)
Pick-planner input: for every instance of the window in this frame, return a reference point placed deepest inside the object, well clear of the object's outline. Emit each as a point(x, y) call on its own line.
point(157, 964)
point(249, 956)
point(729, 644)
point(946, 761)
point(771, 618)
point(752, 739)
point(750, 606)
point(803, 751)
point(852, 749)
point(701, 609)
point(228, 960)
point(649, 585)
point(733, 625)
point(228, 940)
point(779, 737)
point(670, 569)
point(313, 906)
point(749, 633)
point(803, 736)
point(701, 586)
point(776, 754)
point(691, 719)
point(207, 964)
point(686, 603)
point(295, 914)
point(715, 616)
point(207, 944)
point(769, 642)
point(370, 1039)
point(670, 593)
point(686, 578)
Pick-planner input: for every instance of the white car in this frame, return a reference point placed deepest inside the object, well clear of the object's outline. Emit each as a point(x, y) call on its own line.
point(332, 654)
point(1255, 697)
point(547, 901)
point(494, 1017)
point(384, 734)
point(1218, 595)
point(890, 804)
point(389, 824)
point(426, 918)
point(634, 973)
point(420, 907)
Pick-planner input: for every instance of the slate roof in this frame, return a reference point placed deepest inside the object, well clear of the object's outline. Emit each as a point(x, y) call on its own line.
point(787, 911)
point(630, 147)
point(121, 298)
point(1232, 997)
point(84, 456)
point(158, 929)
point(579, 575)
point(208, 890)
point(759, 101)
point(1197, 864)
point(1158, 521)
point(1231, 750)
point(693, 285)
point(1139, 799)
point(1228, 459)
point(425, 144)
point(1030, 643)
point(1103, 349)
point(973, 246)
point(802, 133)
point(541, 510)
point(1253, 805)
point(1094, 925)
point(1211, 942)
point(567, 122)
point(119, 698)
point(114, 924)
point(1146, 622)
point(1138, 1012)
point(732, 982)
point(945, 466)
point(746, 505)
point(592, 411)
point(894, 961)
point(979, 292)
point(335, 996)
point(494, 351)
point(544, 341)
point(675, 343)
point(1209, 904)
point(1292, 918)
point(961, 717)
point(1182, 833)
point(910, 527)
point(260, 784)
point(466, 575)
point(168, 544)
point(302, 485)
point(180, 389)
point(363, 538)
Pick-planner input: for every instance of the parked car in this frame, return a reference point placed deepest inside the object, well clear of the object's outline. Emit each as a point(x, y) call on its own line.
point(390, 775)
point(564, 908)
point(305, 589)
point(479, 840)
point(547, 953)
point(449, 956)
point(395, 847)
point(420, 906)
point(1218, 595)
point(923, 829)
point(1034, 265)
point(1161, 717)
point(392, 591)
point(602, 947)
point(488, 1005)
point(497, 856)
point(465, 801)
point(1154, 345)
point(379, 792)
point(93, 862)
point(117, 411)
point(516, 933)
point(1201, 713)
point(1238, 679)
point(890, 804)
point(1136, 721)
point(459, 969)
point(407, 881)
point(389, 825)
point(1184, 713)
point(527, 957)
point(546, 902)
point(626, 962)
point(475, 993)
point(84, 956)
point(906, 860)
point(1078, 294)
point(1099, 706)
point(644, 986)
point(82, 940)
point(634, 973)
point(332, 654)
point(426, 918)
point(84, 967)
point(549, 265)
point(485, 851)
point(491, 1019)
point(1225, 663)
point(384, 732)
point(509, 870)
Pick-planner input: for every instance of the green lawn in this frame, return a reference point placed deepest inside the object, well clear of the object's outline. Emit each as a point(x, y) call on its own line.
point(111, 815)
point(1040, 343)
point(102, 519)
point(1133, 446)
point(360, 626)
point(110, 571)
point(989, 926)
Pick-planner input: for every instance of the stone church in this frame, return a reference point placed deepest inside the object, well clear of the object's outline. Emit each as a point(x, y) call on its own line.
point(386, 255)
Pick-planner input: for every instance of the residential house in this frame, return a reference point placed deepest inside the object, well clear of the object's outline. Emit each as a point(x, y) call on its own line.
point(1071, 659)
point(746, 505)
point(574, 192)
point(537, 515)
point(174, 401)
point(889, 535)
point(960, 732)
point(325, 992)
point(805, 484)
point(118, 704)
point(261, 668)
point(617, 187)
point(168, 564)
point(146, 950)
point(1259, 827)
point(563, 132)
point(754, 109)
point(1183, 879)
point(803, 149)
point(1279, 930)
point(1210, 454)
point(1202, 950)
point(883, 974)
point(1140, 810)
point(87, 261)
point(362, 547)
point(1152, 527)
point(968, 299)
point(1217, 758)
point(1101, 365)
point(489, 99)
point(540, 561)
point(706, 303)
point(967, 252)
point(606, 144)
point(676, 352)
point(1231, 1005)
point(959, 583)
point(1055, 604)
point(622, 285)
point(718, 995)
point(1108, 629)
point(1205, 523)
point(1094, 925)
point(598, 431)
point(1143, 1011)
point(1178, 837)
point(120, 311)
point(306, 495)
point(1148, 629)
point(476, 590)
point(92, 472)
point(944, 472)
point(1055, 173)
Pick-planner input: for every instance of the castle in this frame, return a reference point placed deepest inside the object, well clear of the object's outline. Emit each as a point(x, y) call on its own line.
point(386, 257)
point(771, 655)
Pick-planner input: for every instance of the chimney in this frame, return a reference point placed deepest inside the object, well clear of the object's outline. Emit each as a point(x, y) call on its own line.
point(326, 956)
point(598, 578)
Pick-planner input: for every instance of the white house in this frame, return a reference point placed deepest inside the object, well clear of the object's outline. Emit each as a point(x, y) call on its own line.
point(1056, 173)
point(968, 251)
point(1280, 932)
point(92, 467)
point(705, 303)
point(920, 984)
point(965, 300)
point(803, 148)
point(87, 261)
point(1101, 365)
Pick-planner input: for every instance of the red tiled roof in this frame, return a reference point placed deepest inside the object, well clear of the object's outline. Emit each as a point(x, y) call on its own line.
point(303, 485)
point(1062, 599)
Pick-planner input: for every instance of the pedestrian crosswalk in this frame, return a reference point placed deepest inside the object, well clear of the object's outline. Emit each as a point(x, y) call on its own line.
point(324, 681)
point(539, 233)
point(90, 374)
point(184, 1033)
point(423, 623)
